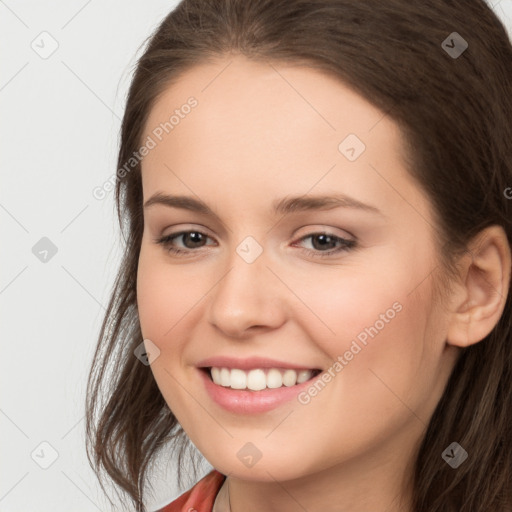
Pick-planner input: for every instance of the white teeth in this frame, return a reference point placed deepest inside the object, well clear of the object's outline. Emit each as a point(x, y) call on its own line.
point(258, 379)
point(225, 379)
point(238, 379)
point(215, 373)
point(303, 376)
point(274, 379)
point(290, 378)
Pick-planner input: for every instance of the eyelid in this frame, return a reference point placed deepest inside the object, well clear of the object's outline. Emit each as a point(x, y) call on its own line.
point(186, 228)
point(316, 229)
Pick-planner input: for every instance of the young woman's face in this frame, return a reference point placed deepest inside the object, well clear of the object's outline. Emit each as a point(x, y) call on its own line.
point(253, 281)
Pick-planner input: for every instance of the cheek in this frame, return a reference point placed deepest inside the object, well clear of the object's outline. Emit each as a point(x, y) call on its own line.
point(343, 303)
point(373, 327)
point(166, 297)
point(153, 299)
point(165, 300)
point(381, 368)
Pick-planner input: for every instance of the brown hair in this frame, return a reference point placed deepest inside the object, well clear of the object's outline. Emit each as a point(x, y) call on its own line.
point(456, 119)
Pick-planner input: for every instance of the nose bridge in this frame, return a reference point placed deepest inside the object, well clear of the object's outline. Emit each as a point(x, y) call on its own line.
point(246, 295)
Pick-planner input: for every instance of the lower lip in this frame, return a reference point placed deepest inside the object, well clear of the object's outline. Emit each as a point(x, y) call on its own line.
point(252, 402)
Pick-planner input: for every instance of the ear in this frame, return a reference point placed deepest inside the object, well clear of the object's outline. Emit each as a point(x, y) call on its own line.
point(480, 296)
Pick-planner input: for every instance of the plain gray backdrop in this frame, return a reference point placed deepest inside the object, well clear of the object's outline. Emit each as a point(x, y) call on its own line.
point(65, 71)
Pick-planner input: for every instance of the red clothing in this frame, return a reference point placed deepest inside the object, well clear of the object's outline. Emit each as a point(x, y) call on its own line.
point(200, 497)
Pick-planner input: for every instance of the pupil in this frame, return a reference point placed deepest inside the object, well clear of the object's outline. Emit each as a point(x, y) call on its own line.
point(322, 237)
point(195, 235)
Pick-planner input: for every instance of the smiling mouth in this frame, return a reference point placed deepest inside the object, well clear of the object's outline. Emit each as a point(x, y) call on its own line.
point(258, 378)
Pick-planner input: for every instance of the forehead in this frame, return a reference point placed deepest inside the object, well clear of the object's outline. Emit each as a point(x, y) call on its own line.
point(272, 126)
point(269, 98)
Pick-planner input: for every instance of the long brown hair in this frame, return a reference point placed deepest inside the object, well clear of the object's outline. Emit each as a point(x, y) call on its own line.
point(455, 113)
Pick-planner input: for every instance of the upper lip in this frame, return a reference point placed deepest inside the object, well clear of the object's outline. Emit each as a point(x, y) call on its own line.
point(250, 363)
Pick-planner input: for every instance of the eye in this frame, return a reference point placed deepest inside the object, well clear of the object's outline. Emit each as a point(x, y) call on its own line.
point(321, 241)
point(324, 240)
point(192, 239)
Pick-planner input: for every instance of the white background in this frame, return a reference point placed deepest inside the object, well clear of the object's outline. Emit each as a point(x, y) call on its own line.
point(60, 120)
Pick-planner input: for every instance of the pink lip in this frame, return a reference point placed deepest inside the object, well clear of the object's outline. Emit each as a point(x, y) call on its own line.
point(249, 363)
point(251, 402)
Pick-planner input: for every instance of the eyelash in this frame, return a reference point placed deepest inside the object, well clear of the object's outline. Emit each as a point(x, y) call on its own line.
point(346, 244)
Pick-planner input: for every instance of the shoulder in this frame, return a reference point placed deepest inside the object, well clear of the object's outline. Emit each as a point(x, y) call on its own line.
point(200, 497)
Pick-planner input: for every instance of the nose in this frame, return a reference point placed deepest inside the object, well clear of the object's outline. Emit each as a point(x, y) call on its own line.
point(248, 298)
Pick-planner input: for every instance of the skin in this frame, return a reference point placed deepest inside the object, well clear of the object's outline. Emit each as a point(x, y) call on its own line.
point(258, 134)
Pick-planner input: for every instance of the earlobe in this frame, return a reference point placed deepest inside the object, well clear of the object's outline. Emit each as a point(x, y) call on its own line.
point(485, 284)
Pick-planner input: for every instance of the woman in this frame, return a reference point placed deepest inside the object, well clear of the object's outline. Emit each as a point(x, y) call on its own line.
point(315, 290)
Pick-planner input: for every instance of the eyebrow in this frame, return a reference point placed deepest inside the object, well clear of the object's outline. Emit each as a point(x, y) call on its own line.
point(282, 206)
